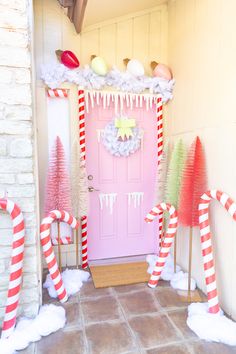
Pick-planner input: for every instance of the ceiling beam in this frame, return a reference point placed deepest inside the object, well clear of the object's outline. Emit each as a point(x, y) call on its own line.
point(76, 13)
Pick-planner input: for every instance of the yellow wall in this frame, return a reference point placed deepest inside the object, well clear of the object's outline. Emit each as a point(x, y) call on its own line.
point(202, 54)
point(142, 35)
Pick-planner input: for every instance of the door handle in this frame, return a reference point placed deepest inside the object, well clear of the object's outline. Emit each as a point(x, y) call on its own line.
point(92, 189)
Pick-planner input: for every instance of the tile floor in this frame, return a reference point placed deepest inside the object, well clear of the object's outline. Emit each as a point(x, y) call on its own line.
point(128, 319)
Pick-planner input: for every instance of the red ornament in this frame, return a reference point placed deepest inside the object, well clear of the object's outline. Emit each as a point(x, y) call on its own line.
point(68, 58)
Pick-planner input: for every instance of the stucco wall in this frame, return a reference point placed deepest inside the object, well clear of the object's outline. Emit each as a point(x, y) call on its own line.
point(202, 54)
point(17, 147)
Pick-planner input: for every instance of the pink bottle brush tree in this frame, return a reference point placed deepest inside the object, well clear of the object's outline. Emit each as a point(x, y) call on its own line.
point(58, 191)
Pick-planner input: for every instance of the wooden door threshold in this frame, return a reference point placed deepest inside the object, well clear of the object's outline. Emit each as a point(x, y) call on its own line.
point(119, 260)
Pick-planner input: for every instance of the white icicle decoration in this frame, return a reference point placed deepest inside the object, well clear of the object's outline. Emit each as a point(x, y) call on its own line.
point(136, 198)
point(99, 135)
point(109, 199)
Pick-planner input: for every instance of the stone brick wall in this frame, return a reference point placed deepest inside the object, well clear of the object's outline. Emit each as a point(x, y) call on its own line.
point(17, 150)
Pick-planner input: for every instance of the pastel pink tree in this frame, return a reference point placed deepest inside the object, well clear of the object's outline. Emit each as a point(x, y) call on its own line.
point(58, 191)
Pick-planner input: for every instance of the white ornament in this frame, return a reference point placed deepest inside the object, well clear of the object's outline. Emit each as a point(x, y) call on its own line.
point(135, 68)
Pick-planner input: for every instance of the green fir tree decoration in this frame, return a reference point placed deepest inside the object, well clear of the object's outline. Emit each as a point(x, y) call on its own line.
point(173, 181)
point(174, 174)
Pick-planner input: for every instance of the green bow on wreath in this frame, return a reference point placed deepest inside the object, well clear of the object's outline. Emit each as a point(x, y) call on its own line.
point(124, 126)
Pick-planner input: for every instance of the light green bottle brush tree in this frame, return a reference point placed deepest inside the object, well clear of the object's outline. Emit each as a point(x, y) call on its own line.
point(173, 181)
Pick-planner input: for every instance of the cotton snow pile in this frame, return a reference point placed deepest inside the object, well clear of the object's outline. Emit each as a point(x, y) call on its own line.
point(178, 280)
point(55, 74)
point(50, 319)
point(72, 278)
point(211, 327)
point(168, 269)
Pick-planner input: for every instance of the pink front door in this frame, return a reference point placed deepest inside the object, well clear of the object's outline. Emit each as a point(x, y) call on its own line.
point(118, 229)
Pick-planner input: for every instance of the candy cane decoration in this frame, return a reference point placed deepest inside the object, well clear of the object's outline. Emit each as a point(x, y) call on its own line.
point(81, 103)
point(81, 124)
point(17, 255)
point(57, 93)
point(206, 243)
point(48, 249)
point(159, 111)
point(64, 240)
point(172, 227)
point(84, 242)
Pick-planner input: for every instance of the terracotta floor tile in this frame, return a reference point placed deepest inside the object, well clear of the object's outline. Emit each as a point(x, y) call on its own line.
point(73, 317)
point(139, 302)
point(179, 318)
point(109, 338)
point(170, 349)
point(168, 298)
point(203, 347)
point(101, 309)
point(130, 288)
point(49, 300)
point(29, 350)
point(88, 290)
point(153, 330)
point(71, 342)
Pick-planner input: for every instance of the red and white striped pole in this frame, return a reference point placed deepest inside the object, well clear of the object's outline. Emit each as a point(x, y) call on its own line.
point(48, 249)
point(17, 255)
point(170, 234)
point(57, 93)
point(159, 111)
point(206, 243)
point(81, 103)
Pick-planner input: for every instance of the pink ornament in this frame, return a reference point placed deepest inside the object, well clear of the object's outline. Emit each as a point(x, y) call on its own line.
point(161, 70)
point(68, 58)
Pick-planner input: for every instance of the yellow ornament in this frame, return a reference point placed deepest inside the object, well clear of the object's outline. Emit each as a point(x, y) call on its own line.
point(98, 65)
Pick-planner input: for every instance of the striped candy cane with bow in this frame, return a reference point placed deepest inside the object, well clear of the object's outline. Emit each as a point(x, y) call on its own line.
point(170, 234)
point(81, 103)
point(17, 255)
point(206, 243)
point(48, 249)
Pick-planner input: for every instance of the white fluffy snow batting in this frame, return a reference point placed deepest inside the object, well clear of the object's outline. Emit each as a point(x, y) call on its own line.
point(180, 281)
point(72, 278)
point(168, 269)
point(209, 326)
point(50, 319)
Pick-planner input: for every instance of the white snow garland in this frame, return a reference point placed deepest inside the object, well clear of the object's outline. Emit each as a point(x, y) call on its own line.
point(109, 199)
point(50, 319)
point(72, 278)
point(136, 198)
point(118, 147)
point(55, 74)
point(211, 327)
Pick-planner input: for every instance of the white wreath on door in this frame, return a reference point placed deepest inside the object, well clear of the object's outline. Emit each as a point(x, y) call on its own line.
point(120, 147)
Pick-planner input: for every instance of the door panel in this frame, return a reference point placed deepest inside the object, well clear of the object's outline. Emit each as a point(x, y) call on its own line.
point(123, 231)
